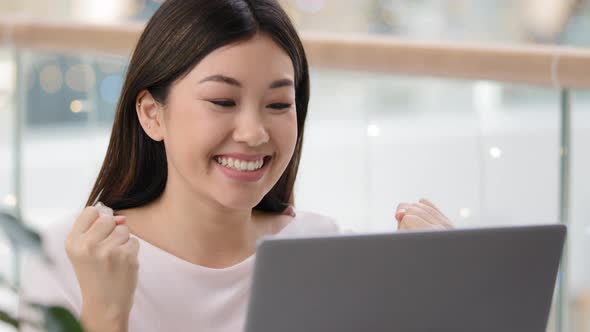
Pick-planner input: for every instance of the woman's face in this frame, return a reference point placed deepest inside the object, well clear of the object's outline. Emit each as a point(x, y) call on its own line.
point(230, 125)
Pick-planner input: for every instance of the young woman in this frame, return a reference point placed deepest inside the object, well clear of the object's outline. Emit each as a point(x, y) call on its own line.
point(201, 164)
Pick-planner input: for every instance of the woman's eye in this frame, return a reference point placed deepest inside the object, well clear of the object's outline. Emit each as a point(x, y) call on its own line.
point(231, 103)
point(223, 103)
point(279, 106)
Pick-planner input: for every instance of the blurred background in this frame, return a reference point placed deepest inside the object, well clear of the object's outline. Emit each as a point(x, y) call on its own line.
point(486, 152)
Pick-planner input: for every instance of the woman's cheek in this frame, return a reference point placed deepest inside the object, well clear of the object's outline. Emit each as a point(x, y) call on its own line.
point(192, 144)
point(293, 129)
point(287, 136)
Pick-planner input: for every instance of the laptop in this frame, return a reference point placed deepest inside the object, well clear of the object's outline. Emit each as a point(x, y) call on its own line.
point(484, 280)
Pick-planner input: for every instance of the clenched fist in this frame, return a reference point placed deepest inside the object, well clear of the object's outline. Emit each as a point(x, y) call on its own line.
point(422, 215)
point(104, 258)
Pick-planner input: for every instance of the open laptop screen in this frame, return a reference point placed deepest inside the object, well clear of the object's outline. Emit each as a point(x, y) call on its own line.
point(486, 279)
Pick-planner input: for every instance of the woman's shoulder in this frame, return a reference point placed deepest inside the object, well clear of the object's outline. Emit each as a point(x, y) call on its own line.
point(54, 236)
point(51, 280)
point(307, 223)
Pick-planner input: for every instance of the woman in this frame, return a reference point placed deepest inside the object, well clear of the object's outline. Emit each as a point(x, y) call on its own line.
point(201, 164)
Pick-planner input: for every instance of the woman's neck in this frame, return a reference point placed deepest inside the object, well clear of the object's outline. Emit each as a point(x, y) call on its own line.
point(196, 230)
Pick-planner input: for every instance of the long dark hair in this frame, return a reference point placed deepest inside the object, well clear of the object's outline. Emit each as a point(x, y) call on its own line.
point(179, 35)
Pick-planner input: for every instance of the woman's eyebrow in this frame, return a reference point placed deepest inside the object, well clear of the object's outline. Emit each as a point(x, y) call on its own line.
point(232, 81)
point(281, 83)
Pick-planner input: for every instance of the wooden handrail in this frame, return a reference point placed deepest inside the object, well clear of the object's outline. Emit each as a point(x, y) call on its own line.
point(111, 39)
point(566, 67)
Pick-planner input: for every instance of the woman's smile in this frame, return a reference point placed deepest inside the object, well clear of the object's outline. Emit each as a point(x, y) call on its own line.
point(240, 167)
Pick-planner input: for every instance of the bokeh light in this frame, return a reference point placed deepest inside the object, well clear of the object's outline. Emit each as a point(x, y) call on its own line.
point(76, 106)
point(51, 78)
point(80, 78)
point(110, 88)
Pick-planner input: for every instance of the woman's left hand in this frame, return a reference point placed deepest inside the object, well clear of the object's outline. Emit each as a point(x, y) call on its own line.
point(422, 215)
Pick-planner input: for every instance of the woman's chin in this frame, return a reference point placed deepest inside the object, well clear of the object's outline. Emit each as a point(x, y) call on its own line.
point(240, 203)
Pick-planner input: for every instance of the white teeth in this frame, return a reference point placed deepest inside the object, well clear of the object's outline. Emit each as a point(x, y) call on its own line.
point(241, 165)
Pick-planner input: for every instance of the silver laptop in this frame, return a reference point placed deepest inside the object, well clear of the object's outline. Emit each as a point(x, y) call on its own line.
point(472, 280)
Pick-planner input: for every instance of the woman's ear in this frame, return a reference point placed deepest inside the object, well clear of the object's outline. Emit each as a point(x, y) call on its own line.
point(149, 115)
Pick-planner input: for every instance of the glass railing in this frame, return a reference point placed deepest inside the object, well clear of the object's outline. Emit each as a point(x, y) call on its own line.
point(487, 148)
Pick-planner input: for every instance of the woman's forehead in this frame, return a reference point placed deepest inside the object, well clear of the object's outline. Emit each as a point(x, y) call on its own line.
point(257, 57)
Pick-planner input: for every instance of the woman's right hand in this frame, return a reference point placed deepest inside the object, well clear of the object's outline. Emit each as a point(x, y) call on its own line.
point(105, 261)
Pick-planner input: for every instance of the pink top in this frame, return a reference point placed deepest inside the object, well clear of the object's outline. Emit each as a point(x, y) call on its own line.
point(172, 294)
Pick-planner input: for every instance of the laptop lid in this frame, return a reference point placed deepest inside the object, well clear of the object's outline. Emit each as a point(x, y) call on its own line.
point(485, 279)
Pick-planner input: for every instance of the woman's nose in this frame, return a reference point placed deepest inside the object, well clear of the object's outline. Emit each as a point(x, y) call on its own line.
point(250, 129)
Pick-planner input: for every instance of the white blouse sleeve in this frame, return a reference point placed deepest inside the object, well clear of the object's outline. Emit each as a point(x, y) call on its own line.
point(49, 283)
point(315, 224)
